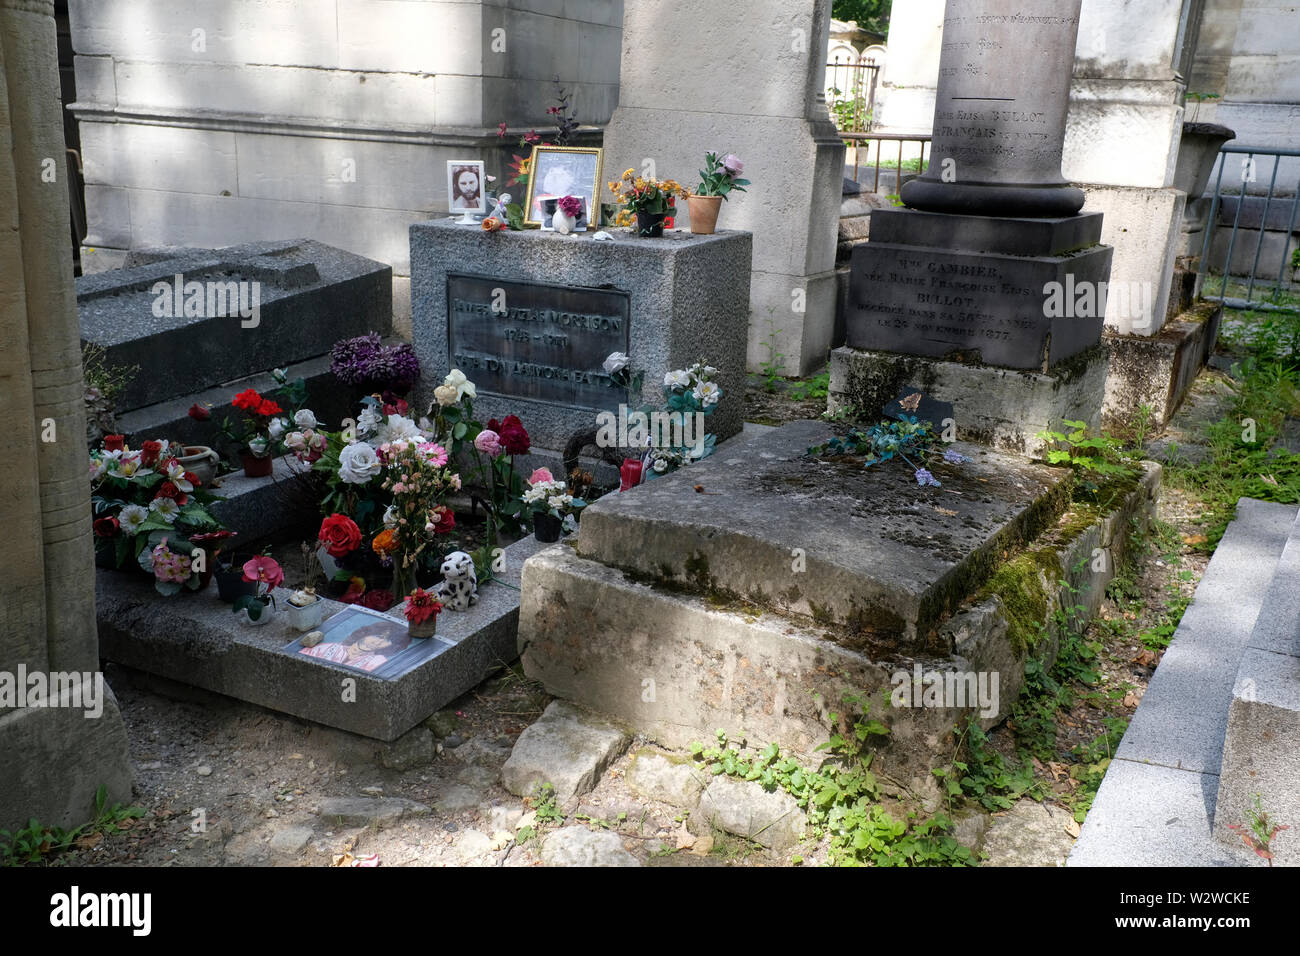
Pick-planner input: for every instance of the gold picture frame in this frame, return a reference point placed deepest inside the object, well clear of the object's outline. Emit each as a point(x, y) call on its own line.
point(580, 166)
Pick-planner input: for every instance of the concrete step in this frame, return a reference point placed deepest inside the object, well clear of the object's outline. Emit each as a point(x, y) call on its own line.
point(1156, 804)
point(1261, 750)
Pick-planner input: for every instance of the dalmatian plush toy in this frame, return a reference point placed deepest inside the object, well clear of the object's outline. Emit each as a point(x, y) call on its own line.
point(459, 588)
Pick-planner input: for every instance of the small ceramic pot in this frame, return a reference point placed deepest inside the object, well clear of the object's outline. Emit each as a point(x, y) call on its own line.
point(231, 583)
point(650, 225)
point(547, 527)
point(425, 628)
point(255, 467)
point(307, 617)
point(202, 461)
point(268, 612)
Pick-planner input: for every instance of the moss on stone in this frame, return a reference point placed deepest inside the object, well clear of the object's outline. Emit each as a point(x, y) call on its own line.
point(1020, 584)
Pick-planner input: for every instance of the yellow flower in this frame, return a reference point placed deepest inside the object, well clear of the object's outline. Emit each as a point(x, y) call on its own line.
point(629, 173)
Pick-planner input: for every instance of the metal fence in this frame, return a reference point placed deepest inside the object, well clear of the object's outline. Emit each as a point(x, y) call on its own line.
point(880, 139)
point(851, 92)
point(1274, 210)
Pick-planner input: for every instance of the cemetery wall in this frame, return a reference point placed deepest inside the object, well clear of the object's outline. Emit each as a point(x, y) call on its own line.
point(212, 122)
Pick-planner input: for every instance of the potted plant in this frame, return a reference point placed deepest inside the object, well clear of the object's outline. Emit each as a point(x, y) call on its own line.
point(554, 509)
point(265, 575)
point(255, 436)
point(648, 201)
point(230, 579)
point(305, 609)
point(719, 176)
point(210, 543)
point(422, 609)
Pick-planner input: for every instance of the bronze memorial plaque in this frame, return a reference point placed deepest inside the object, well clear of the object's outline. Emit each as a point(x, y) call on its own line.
point(541, 342)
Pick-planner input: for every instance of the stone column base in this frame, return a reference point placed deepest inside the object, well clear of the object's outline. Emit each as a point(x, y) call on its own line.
point(55, 758)
point(1000, 407)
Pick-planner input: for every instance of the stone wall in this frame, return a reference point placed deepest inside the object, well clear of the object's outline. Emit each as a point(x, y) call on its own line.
point(213, 122)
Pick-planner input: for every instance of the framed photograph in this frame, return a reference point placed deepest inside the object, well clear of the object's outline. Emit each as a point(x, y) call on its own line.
point(465, 186)
point(364, 640)
point(559, 171)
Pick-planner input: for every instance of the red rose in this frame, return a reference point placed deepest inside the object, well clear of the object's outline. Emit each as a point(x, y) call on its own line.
point(377, 599)
point(192, 478)
point(114, 442)
point(494, 426)
point(268, 408)
point(106, 527)
point(513, 437)
point(445, 520)
point(340, 535)
point(149, 453)
point(199, 413)
point(248, 399)
point(169, 490)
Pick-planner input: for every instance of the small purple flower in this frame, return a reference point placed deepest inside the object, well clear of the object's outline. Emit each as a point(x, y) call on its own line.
point(954, 458)
point(924, 478)
point(732, 164)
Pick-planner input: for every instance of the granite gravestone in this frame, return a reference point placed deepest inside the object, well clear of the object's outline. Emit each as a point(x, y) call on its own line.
point(968, 273)
point(531, 316)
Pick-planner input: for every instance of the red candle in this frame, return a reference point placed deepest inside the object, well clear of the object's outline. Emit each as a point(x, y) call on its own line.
point(629, 473)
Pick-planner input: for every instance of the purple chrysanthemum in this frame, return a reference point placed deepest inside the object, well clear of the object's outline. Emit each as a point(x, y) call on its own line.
point(365, 361)
point(350, 358)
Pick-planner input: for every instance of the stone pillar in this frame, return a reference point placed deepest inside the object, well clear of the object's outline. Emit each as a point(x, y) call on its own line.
point(999, 115)
point(693, 83)
point(54, 758)
point(991, 269)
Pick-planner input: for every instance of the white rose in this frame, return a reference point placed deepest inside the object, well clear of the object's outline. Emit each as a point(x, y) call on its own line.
point(677, 379)
point(399, 428)
point(294, 441)
point(358, 463)
point(305, 419)
point(707, 393)
point(276, 427)
point(446, 395)
point(463, 386)
point(369, 420)
point(616, 362)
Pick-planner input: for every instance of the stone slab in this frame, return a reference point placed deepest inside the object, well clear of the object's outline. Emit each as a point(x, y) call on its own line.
point(1183, 715)
point(195, 638)
point(766, 508)
point(311, 295)
point(992, 406)
point(688, 300)
point(981, 307)
point(745, 809)
point(567, 748)
point(578, 846)
point(1005, 235)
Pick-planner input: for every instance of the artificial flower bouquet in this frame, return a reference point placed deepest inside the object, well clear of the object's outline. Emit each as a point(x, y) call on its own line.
point(365, 362)
point(687, 392)
point(422, 610)
point(148, 509)
point(721, 175)
point(550, 497)
point(645, 199)
point(267, 574)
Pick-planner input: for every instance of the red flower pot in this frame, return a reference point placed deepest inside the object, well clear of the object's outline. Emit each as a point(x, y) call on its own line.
point(255, 467)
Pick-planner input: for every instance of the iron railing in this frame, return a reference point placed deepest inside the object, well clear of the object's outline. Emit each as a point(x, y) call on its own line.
point(854, 139)
point(1249, 174)
point(852, 82)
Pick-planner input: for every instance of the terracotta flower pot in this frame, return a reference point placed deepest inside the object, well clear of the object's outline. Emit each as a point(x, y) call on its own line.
point(255, 467)
point(704, 213)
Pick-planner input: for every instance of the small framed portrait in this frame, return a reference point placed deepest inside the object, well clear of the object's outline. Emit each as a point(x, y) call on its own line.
point(465, 186)
point(364, 640)
point(560, 171)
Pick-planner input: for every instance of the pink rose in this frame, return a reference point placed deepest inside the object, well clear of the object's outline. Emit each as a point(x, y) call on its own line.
point(488, 442)
point(540, 475)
